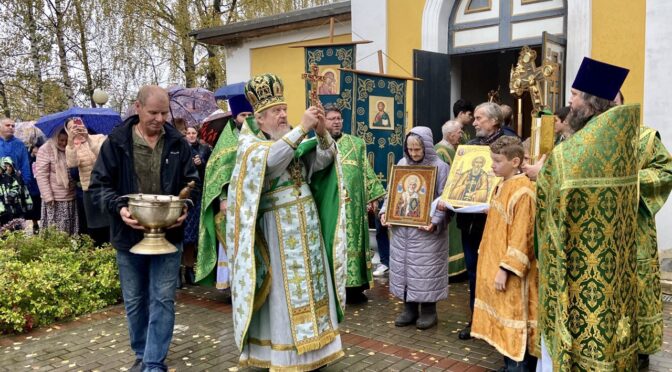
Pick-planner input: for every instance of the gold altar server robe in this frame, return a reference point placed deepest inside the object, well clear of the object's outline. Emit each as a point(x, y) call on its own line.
point(508, 320)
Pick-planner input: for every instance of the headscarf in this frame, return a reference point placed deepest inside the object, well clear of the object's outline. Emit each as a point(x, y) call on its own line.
point(60, 166)
point(425, 135)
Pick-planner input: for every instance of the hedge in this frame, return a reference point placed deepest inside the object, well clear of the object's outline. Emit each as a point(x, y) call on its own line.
point(52, 277)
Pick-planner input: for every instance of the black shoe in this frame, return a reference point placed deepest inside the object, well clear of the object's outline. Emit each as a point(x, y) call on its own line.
point(180, 278)
point(643, 361)
point(465, 333)
point(137, 366)
point(355, 296)
point(189, 275)
point(408, 316)
point(427, 317)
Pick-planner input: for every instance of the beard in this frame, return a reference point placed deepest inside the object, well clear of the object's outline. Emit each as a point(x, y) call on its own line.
point(578, 118)
point(279, 131)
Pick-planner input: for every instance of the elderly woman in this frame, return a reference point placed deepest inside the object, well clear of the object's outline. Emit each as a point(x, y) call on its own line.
point(81, 152)
point(419, 255)
point(59, 207)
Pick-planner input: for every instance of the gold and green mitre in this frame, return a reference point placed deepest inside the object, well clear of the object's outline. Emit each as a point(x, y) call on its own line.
point(587, 198)
point(265, 91)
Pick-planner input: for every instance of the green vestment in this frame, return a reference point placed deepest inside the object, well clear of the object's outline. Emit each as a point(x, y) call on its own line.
point(362, 187)
point(455, 251)
point(587, 247)
point(655, 183)
point(212, 227)
point(282, 217)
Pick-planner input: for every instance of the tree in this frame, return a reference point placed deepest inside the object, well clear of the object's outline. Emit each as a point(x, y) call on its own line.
point(57, 20)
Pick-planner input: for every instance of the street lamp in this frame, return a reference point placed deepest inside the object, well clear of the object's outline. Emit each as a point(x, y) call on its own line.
point(100, 97)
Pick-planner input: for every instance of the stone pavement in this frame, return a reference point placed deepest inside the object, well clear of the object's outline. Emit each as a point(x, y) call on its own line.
point(203, 339)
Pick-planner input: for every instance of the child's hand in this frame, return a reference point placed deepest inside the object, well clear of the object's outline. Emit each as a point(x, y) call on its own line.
point(500, 280)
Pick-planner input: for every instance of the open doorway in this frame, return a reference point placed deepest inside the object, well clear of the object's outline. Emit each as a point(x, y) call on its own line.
point(475, 75)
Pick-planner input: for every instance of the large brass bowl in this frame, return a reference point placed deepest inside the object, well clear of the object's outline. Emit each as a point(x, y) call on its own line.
point(155, 213)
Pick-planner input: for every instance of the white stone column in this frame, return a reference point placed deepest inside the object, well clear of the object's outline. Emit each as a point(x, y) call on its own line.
point(579, 38)
point(369, 22)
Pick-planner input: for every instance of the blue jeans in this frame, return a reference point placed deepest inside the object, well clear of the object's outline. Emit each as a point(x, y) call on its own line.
point(383, 242)
point(148, 286)
point(471, 240)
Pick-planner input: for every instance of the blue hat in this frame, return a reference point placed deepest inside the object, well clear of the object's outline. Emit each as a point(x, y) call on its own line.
point(239, 104)
point(599, 79)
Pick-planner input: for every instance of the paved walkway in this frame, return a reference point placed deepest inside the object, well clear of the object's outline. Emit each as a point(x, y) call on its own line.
point(203, 339)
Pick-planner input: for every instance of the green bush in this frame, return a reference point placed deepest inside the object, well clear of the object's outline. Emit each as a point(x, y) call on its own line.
point(52, 277)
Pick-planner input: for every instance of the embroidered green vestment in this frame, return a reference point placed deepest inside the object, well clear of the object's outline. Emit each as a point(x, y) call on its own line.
point(212, 227)
point(586, 210)
point(362, 187)
point(655, 183)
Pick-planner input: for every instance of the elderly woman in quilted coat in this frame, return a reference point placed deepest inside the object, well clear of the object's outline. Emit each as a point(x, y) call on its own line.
point(419, 255)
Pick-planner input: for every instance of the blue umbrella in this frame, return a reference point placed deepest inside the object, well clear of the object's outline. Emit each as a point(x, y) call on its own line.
point(230, 90)
point(97, 120)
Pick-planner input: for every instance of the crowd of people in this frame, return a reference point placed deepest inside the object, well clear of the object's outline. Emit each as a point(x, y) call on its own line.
point(562, 267)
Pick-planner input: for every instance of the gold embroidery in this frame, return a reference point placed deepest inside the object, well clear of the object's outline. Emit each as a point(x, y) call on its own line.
point(252, 362)
point(518, 255)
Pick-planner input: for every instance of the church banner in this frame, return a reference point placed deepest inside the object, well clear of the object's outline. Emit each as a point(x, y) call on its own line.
point(379, 118)
point(336, 86)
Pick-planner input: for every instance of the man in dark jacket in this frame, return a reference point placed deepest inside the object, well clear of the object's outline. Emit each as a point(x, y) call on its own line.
point(144, 155)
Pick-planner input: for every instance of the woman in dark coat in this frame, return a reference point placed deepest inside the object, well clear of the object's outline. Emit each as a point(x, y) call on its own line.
point(200, 154)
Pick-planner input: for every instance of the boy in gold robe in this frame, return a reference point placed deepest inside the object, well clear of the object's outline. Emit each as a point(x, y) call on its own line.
point(505, 310)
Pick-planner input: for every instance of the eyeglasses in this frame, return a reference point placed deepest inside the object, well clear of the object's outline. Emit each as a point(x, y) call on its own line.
point(335, 119)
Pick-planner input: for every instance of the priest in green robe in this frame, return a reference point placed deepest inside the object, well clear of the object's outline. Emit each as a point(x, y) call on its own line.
point(212, 264)
point(445, 149)
point(655, 183)
point(363, 189)
point(587, 199)
point(285, 289)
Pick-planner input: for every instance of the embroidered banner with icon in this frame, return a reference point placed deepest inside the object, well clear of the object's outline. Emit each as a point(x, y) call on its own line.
point(379, 118)
point(336, 86)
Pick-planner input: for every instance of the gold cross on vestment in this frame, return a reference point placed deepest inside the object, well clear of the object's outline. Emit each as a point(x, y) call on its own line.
point(526, 76)
point(313, 77)
point(297, 279)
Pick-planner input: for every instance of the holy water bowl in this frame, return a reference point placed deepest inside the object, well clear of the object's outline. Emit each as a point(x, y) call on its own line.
point(155, 213)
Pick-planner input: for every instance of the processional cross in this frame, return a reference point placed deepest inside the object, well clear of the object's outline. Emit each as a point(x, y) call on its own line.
point(526, 76)
point(313, 77)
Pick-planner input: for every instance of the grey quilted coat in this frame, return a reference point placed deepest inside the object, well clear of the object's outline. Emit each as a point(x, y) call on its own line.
point(419, 259)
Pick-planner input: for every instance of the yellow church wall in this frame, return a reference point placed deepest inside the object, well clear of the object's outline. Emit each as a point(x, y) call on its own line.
point(404, 33)
point(618, 37)
point(288, 64)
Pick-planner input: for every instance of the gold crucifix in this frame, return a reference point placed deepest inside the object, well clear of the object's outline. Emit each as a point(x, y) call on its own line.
point(313, 77)
point(526, 76)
